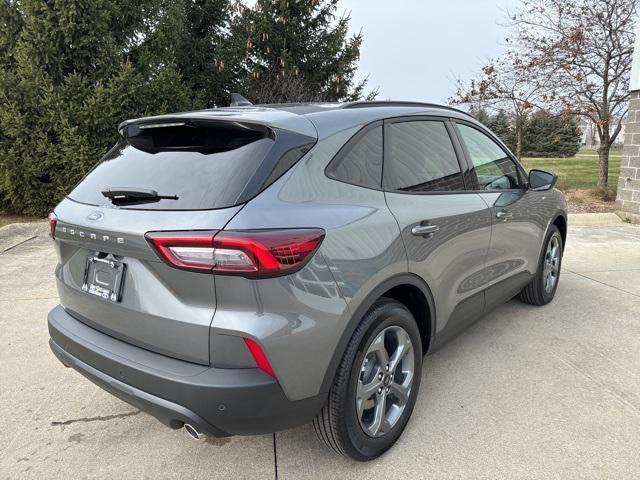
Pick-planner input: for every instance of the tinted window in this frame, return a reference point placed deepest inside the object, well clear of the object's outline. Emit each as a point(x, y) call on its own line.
point(213, 165)
point(421, 158)
point(492, 166)
point(200, 181)
point(361, 162)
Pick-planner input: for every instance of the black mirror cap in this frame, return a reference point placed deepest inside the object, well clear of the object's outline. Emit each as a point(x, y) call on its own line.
point(541, 180)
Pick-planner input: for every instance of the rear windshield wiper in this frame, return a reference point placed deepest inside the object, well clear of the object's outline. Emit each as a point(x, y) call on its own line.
point(134, 195)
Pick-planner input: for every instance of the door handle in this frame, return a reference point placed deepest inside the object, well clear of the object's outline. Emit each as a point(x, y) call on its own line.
point(504, 215)
point(421, 230)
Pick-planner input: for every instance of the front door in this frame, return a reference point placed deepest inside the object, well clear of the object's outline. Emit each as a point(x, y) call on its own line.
point(517, 214)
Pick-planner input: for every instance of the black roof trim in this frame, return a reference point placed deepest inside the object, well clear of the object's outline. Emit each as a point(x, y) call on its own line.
point(392, 103)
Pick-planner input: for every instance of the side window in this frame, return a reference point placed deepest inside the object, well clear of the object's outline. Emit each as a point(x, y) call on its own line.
point(421, 158)
point(361, 163)
point(491, 165)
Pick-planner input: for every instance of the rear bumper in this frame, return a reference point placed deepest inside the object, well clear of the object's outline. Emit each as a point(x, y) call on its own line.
point(217, 401)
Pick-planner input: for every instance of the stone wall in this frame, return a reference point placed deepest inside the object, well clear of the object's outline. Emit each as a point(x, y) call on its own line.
point(628, 199)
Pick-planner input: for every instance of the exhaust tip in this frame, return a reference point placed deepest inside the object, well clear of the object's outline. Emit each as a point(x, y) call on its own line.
point(192, 432)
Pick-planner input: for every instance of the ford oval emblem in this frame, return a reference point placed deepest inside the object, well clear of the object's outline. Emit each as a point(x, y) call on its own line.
point(95, 216)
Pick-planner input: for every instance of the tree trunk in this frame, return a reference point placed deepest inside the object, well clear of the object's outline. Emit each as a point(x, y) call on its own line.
point(519, 123)
point(603, 165)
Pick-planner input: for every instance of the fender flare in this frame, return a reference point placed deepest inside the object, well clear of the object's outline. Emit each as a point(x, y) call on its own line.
point(363, 308)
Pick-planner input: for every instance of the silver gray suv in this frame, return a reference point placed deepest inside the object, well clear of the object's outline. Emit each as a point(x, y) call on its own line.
point(244, 270)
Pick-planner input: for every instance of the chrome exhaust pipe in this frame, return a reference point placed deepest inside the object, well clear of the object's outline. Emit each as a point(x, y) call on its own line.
point(193, 432)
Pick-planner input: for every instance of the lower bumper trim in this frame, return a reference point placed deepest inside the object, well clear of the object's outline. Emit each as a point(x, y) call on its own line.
point(217, 401)
point(171, 414)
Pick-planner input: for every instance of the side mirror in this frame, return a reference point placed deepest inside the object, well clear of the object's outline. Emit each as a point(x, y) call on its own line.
point(540, 180)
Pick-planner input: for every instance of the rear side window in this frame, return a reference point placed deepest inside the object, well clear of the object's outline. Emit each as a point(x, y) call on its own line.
point(360, 163)
point(494, 169)
point(197, 168)
point(421, 158)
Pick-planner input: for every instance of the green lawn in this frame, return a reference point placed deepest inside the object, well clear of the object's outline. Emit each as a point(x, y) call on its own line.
point(579, 172)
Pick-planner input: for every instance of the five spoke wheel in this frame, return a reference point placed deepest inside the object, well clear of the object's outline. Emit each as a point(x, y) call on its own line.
point(375, 388)
point(385, 381)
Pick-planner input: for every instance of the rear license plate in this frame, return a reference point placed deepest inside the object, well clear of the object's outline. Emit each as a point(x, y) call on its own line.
point(103, 278)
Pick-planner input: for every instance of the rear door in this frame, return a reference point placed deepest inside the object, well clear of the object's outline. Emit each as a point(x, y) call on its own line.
point(172, 176)
point(445, 228)
point(518, 215)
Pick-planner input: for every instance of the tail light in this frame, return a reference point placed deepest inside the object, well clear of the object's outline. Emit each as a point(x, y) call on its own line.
point(250, 253)
point(53, 220)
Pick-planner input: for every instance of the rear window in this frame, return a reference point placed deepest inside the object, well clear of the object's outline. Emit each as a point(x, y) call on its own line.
point(198, 168)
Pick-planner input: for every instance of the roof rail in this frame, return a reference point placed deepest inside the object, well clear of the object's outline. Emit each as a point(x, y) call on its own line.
point(392, 103)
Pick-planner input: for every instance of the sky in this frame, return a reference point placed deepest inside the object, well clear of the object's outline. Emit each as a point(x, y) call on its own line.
point(416, 49)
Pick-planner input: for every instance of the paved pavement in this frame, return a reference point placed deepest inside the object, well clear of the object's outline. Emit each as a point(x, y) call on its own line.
point(527, 392)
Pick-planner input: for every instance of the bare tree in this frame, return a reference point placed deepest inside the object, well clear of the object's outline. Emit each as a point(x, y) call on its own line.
point(280, 86)
point(510, 82)
point(586, 48)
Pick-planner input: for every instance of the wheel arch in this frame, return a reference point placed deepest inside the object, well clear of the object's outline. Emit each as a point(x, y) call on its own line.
point(406, 288)
point(560, 221)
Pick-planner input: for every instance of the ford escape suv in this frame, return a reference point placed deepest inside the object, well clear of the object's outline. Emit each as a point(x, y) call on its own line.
point(244, 270)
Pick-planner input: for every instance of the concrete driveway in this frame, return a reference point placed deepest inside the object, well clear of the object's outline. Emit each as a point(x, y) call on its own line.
point(527, 392)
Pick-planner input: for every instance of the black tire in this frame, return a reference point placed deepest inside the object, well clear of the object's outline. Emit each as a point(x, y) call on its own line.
point(337, 425)
point(535, 293)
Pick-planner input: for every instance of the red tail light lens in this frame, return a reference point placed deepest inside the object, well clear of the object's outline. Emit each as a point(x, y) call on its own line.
point(53, 220)
point(266, 252)
point(250, 253)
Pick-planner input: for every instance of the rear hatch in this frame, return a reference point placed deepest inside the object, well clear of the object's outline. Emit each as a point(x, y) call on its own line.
point(183, 173)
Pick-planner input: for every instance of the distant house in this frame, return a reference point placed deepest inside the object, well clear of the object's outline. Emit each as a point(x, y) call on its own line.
point(590, 133)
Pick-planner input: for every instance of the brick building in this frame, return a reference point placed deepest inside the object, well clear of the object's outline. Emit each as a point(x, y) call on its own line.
point(628, 199)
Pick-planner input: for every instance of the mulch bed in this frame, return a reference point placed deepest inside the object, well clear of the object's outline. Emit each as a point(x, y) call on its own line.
point(590, 207)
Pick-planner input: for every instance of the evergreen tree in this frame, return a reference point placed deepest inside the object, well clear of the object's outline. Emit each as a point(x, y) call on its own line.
point(73, 71)
point(193, 35)
point(548, 135)
point(298, 50)
point(203, 50)
point(10, 26)
point(501, 126)
point(569, 137)
point(481, 115)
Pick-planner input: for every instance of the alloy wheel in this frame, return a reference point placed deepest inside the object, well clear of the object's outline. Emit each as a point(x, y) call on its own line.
point(385, 381)
point(551, 269)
